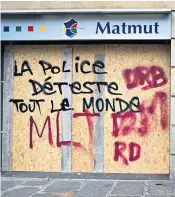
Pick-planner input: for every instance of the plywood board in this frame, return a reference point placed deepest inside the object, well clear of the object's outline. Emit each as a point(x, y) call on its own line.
point(80, 130)
point(154, 141)
point(43, 156)
point(147, 130)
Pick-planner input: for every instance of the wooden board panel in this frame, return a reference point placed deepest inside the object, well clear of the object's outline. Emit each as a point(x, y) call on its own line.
point(82, 127)
point(45, 154)
point(149, 128)
point(147, 131)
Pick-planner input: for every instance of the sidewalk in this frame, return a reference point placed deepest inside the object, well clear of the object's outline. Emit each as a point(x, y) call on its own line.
point(53, 187)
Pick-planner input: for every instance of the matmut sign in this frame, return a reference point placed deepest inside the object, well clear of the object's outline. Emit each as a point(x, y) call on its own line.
point(127, 29)
point(86, 27)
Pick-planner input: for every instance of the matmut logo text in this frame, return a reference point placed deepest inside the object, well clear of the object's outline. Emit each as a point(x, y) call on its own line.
point(124, 28)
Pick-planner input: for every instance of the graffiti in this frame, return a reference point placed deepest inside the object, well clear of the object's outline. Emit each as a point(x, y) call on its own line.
point(64, 106)
point(104, 105)
point(22, 107)
point(25, 67)
point(162, 99)
point(54, 69)
point(32, 122)
point(153, 76)
point(84, 67)
point(89, 116)
point(127, 115)
point(97, 105)
point(121, 147)
point(88, 87)
point(48, 122)
point(129, 120)
point(76, 87)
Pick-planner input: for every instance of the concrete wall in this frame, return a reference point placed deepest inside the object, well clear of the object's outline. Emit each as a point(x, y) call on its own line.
point(172, 137)
point(83, 4)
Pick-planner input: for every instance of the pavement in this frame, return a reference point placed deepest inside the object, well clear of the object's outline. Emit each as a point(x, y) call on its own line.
point(16, 186)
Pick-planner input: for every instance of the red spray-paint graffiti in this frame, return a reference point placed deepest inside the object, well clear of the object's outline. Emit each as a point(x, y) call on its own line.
point(162, 99)
point(32, 122)
point(119, 148)
point(48, 122)
point(65, 143)
point(134, 150)
point(153, 76)
point(86, 114)
point(125, 123)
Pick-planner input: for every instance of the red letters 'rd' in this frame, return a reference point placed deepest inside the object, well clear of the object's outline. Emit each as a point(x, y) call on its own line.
point(120, 148)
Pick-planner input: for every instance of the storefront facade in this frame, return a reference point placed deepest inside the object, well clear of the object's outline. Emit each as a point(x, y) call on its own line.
point(88, 91)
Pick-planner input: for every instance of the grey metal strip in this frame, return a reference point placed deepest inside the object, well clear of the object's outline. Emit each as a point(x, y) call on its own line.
point(172, 164)
point(1, 100)
point(7, 111)
point(87, 11)
point(172, 151)
point(66, 115)
point(99, 125)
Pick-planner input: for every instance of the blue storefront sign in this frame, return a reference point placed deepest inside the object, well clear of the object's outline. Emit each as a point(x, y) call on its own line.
point(86, 27)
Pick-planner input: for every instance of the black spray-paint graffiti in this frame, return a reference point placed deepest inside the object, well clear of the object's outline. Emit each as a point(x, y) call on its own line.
point(100, 105)
point(75, 87)
point(84, 67)
point(21, 106)
point(48, 88)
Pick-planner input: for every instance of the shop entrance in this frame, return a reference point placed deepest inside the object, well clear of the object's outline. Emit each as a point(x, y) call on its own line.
point(91, 108)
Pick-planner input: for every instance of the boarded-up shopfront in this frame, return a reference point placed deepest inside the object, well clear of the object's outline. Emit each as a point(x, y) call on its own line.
point(87, 107)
